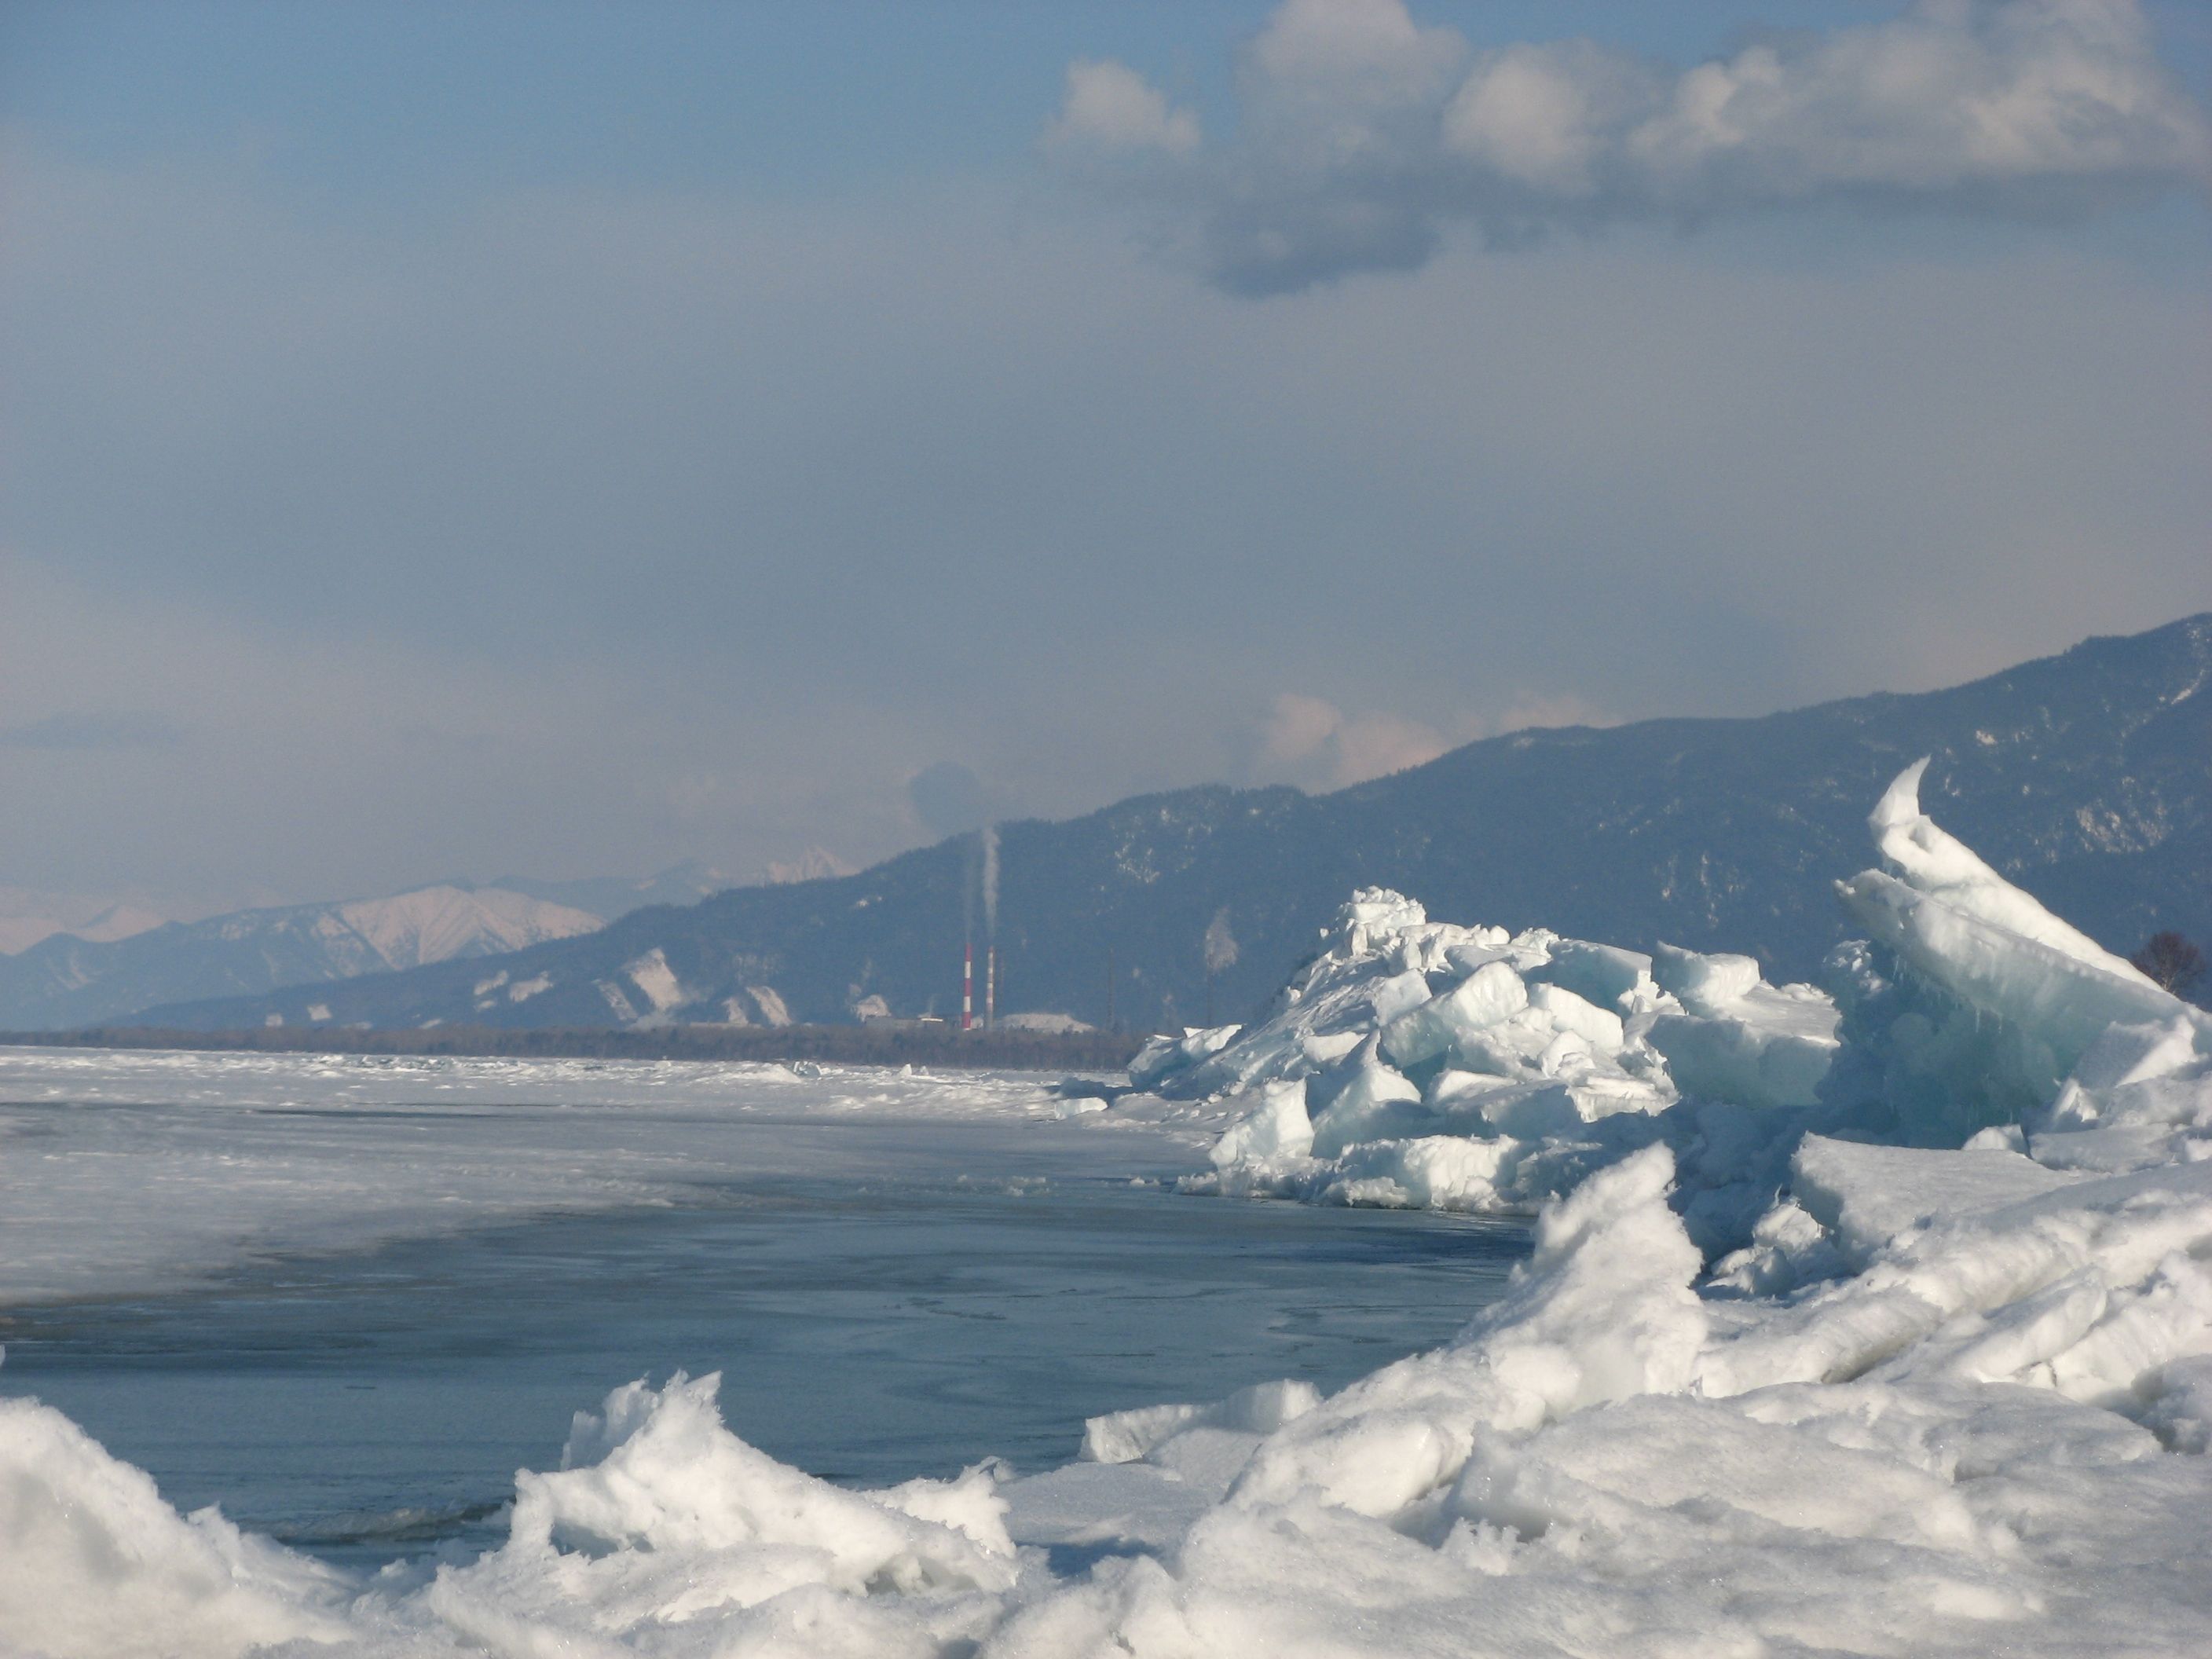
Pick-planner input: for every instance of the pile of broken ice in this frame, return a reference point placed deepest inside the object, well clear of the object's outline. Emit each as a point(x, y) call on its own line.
point(1875, 1319)
point(1415, 1062)
point(1869, 1321)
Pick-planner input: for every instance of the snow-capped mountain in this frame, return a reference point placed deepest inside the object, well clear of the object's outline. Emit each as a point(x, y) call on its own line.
point(68, 980)
point(2085, 778)
point(817, 863)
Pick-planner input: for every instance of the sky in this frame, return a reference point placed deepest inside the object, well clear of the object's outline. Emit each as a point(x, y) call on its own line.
point(569, 438)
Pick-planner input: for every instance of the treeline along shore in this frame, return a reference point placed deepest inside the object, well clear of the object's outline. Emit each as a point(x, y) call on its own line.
point(873, 1044)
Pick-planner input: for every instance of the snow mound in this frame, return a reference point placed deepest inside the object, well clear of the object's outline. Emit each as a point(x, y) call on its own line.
point(660, 1517)
point(659, 1524)
point(93, 1563)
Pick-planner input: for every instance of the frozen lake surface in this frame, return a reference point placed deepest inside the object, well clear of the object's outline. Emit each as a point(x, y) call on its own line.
point(329, 1307)
point(1872, 1321)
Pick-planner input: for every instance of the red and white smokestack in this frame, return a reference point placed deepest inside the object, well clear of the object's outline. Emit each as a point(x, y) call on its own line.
point(968, 988)
point(990, 987)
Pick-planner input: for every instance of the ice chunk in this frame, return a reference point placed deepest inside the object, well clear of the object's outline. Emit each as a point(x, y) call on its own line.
point(2180, 1409)
point(1164, 1057)
point(1435, 1172)
point(1603, 974)
point(2061, 1001)
point(1125, 1436)
point(1491, 994)
point(1866, 1195)
point(1762, 1046)
point(1942, 867)
point(1277, 1127)
point(1657, 1463)
point(1599, 1027)
point(1999, 993)
point(1377, 1101)
point(1704, 984)
point(2113, 1149)
point(1788, 1249)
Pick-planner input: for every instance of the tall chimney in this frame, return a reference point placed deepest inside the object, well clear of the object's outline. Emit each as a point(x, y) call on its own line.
point(968, 988)
point(990, 987)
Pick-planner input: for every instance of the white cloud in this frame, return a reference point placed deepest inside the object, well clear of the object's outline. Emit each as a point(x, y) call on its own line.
point(1376, 745)
point(1949, 97)
point(1310, 741)
point(1109, 106)
point(1364, 49)
point(1296, 727)
point(1364, 135)
point(1306, 740)
point(1540, 116)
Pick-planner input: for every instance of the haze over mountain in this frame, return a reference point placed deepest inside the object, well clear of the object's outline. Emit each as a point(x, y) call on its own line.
point(123, 957)
point(610, 896)
point(68, 980)
point(2083, 776)
point(28, 914)
point(680, 883)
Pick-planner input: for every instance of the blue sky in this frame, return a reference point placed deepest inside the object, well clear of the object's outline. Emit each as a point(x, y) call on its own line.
point(444, 441)
point(369, 98)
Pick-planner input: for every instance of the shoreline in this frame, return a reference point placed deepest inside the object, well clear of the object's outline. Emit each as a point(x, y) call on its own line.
point(859, 1045)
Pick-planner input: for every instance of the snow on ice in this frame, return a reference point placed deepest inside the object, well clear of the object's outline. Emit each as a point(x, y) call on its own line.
point(1874, 1319)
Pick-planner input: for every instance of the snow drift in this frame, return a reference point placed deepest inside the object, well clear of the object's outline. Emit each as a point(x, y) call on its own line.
point(1872, 1319)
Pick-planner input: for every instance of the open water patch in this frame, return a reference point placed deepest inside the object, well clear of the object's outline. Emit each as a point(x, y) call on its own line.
point(369, 1406)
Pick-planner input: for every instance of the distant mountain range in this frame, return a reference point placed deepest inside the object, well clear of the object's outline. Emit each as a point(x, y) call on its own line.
point(122, 959)
point(68, 980)
point(28, 914)
point(2083, 776)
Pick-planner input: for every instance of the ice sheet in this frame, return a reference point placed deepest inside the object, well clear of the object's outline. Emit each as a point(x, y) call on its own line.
point(130, 1171)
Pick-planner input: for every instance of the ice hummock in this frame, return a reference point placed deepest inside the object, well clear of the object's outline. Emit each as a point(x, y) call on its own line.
point(1464, 1068)
point(1414, 1062)
point(1874, 1319)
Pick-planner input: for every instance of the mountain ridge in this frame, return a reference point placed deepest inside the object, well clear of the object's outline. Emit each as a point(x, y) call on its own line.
point(2083, 775)
point(68, 980)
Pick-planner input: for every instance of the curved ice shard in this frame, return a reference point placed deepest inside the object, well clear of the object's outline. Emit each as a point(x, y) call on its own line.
point(1934, 862)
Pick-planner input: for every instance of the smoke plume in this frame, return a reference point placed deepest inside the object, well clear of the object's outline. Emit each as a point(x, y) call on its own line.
point(990, 836)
